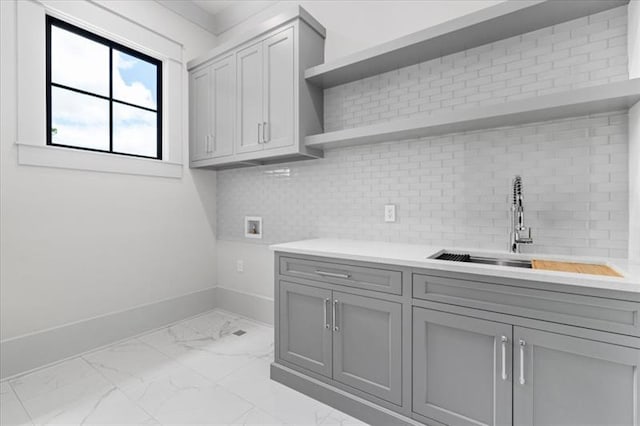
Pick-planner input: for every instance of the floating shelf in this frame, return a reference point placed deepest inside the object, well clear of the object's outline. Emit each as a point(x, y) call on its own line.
point(495, 23)
point(590, 100)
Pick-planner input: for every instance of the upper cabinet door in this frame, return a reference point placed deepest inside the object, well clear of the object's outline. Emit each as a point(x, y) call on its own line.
point(249, 98)
point(223, 107)
point(279, 90)
point(562, 380)
point(200, 114)
point(305, 327)
point(367, 345)
point(461, 369)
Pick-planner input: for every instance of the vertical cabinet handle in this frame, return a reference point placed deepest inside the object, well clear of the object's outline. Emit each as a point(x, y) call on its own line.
point(326, 306)
point(522, 345)
point(206, 146)
point(259, 124)
point(503, 345)
point(213, 143)
point(335, 310)
point(264, 132)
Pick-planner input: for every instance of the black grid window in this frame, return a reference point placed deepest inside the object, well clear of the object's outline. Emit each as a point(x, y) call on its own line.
point(101, 96)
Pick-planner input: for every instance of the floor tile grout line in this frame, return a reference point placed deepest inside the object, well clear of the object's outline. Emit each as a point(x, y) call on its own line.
point(24, 408)
point(176, 359)
point(120, 389)
point(83, 357)
point(102, 347)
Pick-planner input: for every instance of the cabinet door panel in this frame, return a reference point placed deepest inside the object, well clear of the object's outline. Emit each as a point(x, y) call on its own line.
point(223, 107)
point(279, 90)
point(200, 87)
point(304, 338)
point(249, 98)
point(457, 369)
point(574, 381)
point(368, 345)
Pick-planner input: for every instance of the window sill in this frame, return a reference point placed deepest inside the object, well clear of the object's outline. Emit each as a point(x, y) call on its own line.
point(66, 158)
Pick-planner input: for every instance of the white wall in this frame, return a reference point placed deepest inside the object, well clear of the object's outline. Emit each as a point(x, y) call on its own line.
point(356, 25)
point(633, 43)
point(77, 244)
point(634, 183)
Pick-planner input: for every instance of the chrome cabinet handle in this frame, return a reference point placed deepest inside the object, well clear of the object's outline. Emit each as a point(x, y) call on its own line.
point(522, 345)
point(207, 142)
point(259, 124)
point(333, 275)
point(335, 310)
point(264, 131)
point(213, 143)
point(504, 340)
point(326, 306)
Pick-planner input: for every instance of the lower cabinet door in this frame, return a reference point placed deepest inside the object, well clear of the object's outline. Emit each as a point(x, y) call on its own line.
point(562, 380)
point(367, 345)
point(461, 369)
point(305, 327)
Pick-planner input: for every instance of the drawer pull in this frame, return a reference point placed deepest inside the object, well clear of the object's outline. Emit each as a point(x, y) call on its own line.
point(333, 275)
point(335, 313)
point(503, 344)
point(522, 345)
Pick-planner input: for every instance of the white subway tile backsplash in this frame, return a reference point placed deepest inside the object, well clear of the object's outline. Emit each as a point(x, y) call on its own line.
point(450, 190)
point(580, 53)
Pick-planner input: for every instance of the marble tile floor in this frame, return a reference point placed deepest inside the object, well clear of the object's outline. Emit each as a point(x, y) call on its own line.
point(193, 372)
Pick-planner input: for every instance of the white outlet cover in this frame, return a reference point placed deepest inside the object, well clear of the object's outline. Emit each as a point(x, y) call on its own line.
point(390, 213)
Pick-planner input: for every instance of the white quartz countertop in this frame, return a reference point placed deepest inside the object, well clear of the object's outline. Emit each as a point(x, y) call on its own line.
point(418, 256)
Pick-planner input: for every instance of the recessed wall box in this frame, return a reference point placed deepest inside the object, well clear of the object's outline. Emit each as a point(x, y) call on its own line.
point(253, 227)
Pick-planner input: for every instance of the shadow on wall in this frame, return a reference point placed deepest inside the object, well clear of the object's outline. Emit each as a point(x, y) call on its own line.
point(205, 184)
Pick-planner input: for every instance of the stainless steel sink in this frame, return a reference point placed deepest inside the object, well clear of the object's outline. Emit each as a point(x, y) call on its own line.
point(499, 261)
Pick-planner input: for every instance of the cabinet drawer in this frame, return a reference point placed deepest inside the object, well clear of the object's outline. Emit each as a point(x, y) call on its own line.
point(383, 280)
point(610, 315)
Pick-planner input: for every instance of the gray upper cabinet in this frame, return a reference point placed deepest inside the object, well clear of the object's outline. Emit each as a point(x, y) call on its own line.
point(266, 94)
point(367, 345)
point(200, 113)
point(278, 90)
point(305, 327)
point(249, 113)
point(266, 107)
point(563, 380)
point(222, 104)
point(461, 369)
point(212, 105)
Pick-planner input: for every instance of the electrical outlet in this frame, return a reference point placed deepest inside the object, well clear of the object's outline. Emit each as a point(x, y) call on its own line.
point(240, 266)
point(390, 213)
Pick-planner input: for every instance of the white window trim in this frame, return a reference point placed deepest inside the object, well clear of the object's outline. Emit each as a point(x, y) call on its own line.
point(31, 89)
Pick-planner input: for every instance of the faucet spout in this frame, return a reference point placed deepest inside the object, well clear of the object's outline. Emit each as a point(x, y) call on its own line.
point(519, 234)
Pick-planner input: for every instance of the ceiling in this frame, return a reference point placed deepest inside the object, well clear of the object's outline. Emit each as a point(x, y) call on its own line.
point(214, 7)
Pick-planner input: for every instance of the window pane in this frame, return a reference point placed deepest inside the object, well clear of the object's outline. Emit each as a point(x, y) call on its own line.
point(134, 80)
point(134, 131)
point(79, 62)
point(79, 120)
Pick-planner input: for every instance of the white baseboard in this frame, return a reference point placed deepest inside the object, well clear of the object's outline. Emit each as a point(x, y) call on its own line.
point(250, 305)
point(24, 353)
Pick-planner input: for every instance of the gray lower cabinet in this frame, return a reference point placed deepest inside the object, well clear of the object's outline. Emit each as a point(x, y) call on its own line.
point(305, 333)
point(461, 369)
point(563, 380)
point(396, 346)
point(367, 345)
point(355, 340)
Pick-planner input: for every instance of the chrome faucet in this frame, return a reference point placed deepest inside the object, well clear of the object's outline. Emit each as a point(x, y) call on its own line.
point(518, 230)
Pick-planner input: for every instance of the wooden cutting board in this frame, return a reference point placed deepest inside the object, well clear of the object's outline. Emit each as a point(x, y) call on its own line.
point(579, 268)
